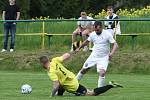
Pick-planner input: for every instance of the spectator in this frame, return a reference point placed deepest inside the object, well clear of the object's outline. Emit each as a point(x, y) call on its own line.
point(84, 29)
point(10, 12)
point(110, 25)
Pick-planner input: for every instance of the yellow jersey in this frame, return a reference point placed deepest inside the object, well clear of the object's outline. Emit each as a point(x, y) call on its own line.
point(57, 72)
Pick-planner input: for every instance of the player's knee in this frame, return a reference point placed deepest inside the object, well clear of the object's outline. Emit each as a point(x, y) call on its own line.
point(83, 71)
point(102, 73)
point(84, 33)
point(74, 34)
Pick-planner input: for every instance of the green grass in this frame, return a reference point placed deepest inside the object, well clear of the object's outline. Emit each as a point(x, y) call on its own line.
point(122, 62)
point(136, 87)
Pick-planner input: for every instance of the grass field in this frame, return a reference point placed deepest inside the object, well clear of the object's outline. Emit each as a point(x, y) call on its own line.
point(135, 61)
point(136, 87)
point(23, 67)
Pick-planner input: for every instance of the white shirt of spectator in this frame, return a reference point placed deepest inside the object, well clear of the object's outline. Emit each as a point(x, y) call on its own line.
point(85, 24)
point(101, 43)
point(117, 30)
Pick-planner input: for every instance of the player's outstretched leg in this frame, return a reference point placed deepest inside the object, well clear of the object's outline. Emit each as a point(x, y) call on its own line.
point(82, 91)
point(103, 89)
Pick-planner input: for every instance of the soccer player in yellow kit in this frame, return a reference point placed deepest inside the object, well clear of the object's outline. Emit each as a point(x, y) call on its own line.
point(64, 80)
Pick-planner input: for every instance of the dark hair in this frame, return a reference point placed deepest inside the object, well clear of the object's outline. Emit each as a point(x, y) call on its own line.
point(83, 12)
point(110, 7)
point(98, 23)
point(44, 59)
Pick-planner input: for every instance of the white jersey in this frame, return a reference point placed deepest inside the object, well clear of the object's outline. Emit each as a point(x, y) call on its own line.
point(101, 43)
point(85, 24)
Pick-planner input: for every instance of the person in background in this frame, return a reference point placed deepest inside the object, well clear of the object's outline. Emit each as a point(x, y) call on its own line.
point(10, 12)
point(110, 25)
point(84, 28)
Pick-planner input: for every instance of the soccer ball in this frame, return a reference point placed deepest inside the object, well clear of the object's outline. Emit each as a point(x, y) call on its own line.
point(26, 89)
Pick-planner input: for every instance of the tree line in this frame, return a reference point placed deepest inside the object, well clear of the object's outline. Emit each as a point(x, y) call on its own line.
point(69, 8)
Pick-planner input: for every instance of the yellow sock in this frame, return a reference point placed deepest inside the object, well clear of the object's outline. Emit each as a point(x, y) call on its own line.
point(75, 44)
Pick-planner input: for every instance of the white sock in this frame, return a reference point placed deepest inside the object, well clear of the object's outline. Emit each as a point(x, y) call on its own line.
point(79, 76)
point(101, 81)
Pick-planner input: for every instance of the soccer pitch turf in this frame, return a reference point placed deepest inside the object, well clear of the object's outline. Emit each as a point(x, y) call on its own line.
point(136, 87)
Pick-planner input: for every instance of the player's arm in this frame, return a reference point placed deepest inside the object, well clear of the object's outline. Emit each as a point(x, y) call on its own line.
point(3, 15)
point(114, 49)
point(65, 56)
point(17, 13)
point(18, 16)
point(56, 86)
point(86, 42)
point(62, 58)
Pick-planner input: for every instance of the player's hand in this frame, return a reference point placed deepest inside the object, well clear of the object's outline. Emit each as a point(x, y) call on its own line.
point(77, 50)
point(14, 23)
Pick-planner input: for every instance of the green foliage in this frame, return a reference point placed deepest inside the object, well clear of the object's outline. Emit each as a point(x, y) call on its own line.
point(59, 8)
point(25, 8)
point(68, 8)
point(3, 3)
point(132, 13)
point(136, 3)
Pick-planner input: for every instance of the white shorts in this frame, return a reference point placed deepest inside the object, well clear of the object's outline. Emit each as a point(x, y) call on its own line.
point(101, 63)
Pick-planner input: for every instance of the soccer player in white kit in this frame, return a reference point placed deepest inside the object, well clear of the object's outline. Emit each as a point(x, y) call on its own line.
point(101, 54)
